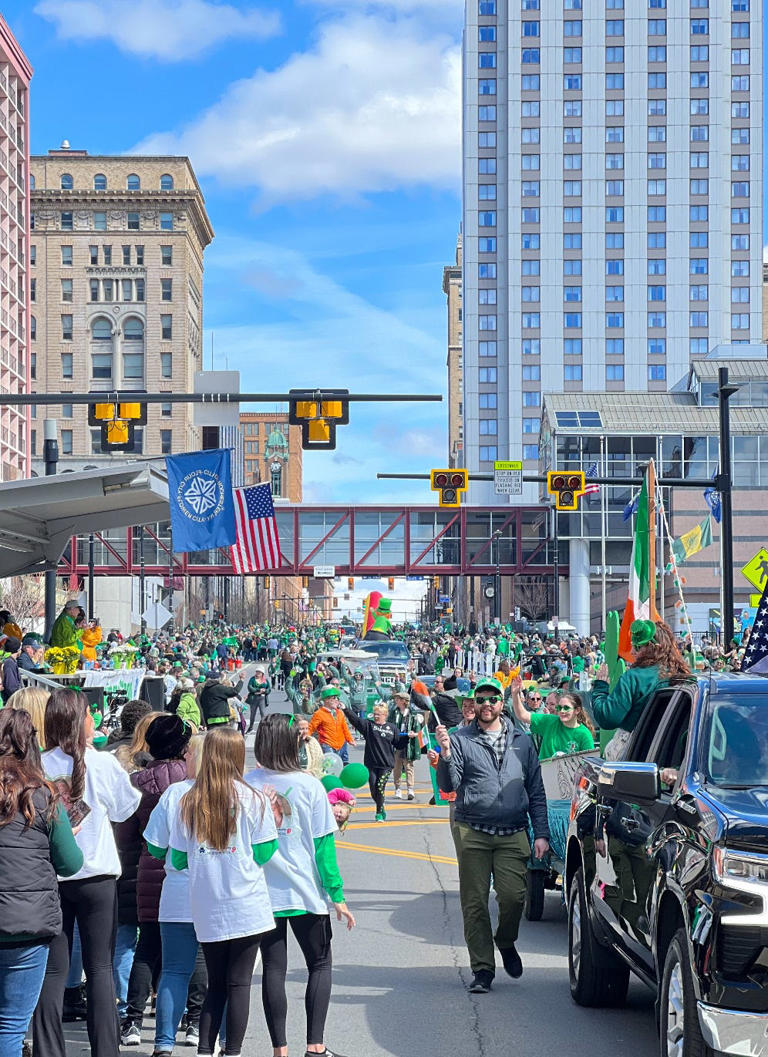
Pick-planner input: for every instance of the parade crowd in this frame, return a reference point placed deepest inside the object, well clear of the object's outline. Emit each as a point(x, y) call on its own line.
point(148, 854)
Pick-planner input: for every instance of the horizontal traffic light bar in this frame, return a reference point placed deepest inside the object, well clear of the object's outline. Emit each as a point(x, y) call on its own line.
point(668, 482)
point(132, 397)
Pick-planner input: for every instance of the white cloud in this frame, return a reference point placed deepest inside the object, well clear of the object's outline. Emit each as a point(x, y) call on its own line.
point(169, 30)
point(374, 106)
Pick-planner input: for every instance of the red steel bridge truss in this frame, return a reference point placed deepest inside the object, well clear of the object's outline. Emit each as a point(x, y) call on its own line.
point(355, 540)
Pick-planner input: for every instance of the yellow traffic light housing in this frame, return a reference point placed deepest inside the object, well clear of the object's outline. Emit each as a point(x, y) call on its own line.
point(567, 488)
point(117, 422)
point(318, 418)
point(450, 484)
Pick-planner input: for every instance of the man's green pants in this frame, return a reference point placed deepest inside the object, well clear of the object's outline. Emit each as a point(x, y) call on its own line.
point(482, 856)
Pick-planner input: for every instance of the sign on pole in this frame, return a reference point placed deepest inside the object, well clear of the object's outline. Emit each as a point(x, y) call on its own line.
point(756, 570)
point(508, 478)
point(324, 572)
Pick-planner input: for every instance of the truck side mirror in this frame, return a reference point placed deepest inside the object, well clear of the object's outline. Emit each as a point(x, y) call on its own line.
point(622, 780)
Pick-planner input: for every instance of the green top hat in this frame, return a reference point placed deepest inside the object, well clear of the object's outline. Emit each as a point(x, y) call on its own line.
point(642, 632)
point(384, 607)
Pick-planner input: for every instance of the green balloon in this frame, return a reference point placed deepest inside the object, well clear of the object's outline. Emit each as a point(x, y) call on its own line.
point(330, 781)
point(354, 776)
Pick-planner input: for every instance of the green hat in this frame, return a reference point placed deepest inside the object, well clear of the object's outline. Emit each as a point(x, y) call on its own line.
point(385, 606)
point(470, 695)
point(642, 632)
point(329, 691)
point(489, 684)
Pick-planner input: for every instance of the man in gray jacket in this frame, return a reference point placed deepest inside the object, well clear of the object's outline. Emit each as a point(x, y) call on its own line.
point(494, 771)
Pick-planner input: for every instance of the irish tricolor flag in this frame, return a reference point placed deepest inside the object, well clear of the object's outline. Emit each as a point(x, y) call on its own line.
point(641, 598)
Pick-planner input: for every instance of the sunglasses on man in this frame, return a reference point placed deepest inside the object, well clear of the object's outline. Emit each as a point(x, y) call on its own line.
point(491, 699)
point(534, 697)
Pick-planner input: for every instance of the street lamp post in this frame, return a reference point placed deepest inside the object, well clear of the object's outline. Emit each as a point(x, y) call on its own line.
point(51, 458)
point(724, 485)
point(496, 536)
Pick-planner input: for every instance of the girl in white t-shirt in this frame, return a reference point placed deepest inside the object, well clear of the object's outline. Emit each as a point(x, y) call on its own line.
point(224, 832)
point(303, 878)
point(95, 792)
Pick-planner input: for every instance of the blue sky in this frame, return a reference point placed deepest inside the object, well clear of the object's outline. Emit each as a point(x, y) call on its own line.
point(326, 137)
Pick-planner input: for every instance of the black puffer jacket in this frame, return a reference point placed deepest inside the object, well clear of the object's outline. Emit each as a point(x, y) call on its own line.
point(128, 840)
point(214, 700)
point(151, 782)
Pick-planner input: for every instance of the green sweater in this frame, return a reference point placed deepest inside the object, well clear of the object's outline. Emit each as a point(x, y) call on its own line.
point(624, 706)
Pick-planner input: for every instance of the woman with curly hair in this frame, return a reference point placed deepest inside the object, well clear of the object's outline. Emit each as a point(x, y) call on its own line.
point(658, 662)
point(568, 730)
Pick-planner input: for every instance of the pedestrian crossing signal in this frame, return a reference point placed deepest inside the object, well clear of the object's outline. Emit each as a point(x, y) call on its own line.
point(567, 488)
point(449, 484)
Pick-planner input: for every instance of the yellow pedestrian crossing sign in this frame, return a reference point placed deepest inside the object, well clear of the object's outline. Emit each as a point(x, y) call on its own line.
point(756, 570)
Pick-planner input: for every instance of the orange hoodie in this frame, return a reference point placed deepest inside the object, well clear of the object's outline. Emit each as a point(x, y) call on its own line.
point(331, 727)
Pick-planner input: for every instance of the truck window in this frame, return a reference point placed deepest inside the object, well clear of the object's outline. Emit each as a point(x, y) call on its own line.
point(735, 746)
point(650, 723)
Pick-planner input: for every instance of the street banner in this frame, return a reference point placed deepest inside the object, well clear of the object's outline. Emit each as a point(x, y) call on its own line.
point(692, 541)
point(117, 680)
point(201, 502)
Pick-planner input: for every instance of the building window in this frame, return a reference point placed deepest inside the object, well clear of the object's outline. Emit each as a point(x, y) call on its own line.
point(166, 221)
point(486, 60)
point(487, 401)
point(101, 349)
point(572, 372)
point(94, 289)
point(166, 410)
point(66, 365)
point(99, 221)
point(486, 348)
point(531, 425)
point(166, 365)
point(133, 221)
point(488, 453)
point(133, 348)
point(66, 182)
point(133, 183)
point(99, 182)
point(166, 289)
point(66, 221)
point(614, 372)
point(530, 452)
point(139, 287)
point(66, 442)
point(33, 328)
point(166, 182)
point(66, 328)
point(166, 436)
point(140, 255)
point(657, 372)
point(127, 286)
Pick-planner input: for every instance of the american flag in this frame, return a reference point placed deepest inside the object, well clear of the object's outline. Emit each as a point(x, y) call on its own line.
point(755, 658)
point(258, 544)
point(591, 489)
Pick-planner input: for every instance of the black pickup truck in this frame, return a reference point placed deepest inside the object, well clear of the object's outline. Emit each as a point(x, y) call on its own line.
point(667, 868)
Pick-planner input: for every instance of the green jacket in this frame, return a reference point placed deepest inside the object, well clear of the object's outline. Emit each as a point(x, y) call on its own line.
point(625, 705)
point(64, 633)
point(189, 709)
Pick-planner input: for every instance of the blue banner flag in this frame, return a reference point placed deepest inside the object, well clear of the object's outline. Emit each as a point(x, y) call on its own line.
point(201, 502)
point(712, 499)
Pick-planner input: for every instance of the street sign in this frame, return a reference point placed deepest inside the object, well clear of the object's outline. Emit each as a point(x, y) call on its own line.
point(756, 570)
point(508, 478)
point(156, 615)
point(443, 598)
point(217, 413)
point(324, 572)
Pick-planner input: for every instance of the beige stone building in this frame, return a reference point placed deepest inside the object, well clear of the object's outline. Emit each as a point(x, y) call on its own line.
point(272, 453)
point(117, 284)
point(452, 290)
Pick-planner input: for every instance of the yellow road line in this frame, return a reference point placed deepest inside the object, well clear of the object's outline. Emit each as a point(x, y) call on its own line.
point(403, 822)
point(397, 854)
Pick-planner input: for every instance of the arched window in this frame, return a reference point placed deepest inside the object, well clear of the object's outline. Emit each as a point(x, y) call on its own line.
point(133, 349)
point(166, 182)
point(31, 182)
point(133, 183)
point(67, 182)
point(99, 182)
point(101, 349)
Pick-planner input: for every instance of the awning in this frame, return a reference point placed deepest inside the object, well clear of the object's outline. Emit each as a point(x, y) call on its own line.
point(40, 515)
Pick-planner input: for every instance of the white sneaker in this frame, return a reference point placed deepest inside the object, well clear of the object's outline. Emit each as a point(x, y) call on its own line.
point(411, 795)
point(398, 795)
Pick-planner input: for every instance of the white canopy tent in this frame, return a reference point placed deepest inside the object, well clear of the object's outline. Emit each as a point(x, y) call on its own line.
point(39, 516)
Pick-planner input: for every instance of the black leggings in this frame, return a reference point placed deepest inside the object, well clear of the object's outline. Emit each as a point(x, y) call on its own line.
point(377, 780)
point(230, 968)
point(93, 902)
point(313, 934)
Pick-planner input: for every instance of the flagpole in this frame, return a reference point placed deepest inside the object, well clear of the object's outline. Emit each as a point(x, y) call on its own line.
point(651, 472)
point(603, 531)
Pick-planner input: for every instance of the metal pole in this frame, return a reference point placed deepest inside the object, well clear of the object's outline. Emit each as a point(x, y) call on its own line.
point(724, 485)
point(497, 593)
point(603, 533)
point(170, 577)
point(90, 576)
point(142, 583)
point(51, 458)
point(556, 570)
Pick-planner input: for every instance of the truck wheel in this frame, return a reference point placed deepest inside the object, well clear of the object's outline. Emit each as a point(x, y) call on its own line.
point(680, 1034)
point(597, 976)
point(534, 895)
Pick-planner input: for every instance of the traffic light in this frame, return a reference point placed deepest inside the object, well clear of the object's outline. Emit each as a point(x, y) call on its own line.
point(391, 583)
point(305, 581)
point(117, 422)
point(436, 582)
point(318, 419)
point(450, 484)
point(567, 488)
point(266, 583)
point(350, 583)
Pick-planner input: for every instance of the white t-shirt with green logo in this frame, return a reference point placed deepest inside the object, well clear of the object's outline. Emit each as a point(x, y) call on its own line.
point(228, 893)
point(174, 897)
point(292, 875)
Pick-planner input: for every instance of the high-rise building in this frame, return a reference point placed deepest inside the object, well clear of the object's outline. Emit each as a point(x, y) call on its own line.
point(612, 219)
point(452, 291)
point(15, 75)
point(116, 288)
point(272, 453)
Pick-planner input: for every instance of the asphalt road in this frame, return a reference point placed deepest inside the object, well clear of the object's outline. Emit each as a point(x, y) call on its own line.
point(400, 977)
